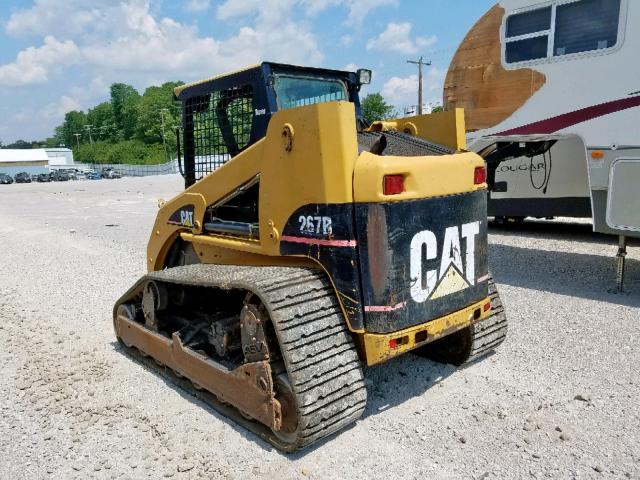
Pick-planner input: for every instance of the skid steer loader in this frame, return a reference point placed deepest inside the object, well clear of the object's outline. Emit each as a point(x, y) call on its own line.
point(306, 246)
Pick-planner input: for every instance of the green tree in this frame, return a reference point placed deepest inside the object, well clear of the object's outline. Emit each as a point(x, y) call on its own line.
point(103, 122)
point(374, 108)
point(437, 109)
point(155, 109)
point(74, 122)
point(21, 145)
point(126, 151)
point(124, 101)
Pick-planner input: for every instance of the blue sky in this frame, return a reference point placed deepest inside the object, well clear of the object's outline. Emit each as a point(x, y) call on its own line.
point(61, 55)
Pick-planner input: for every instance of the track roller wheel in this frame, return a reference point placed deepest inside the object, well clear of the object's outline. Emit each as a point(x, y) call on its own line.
point(128, 311)
point(287, 398)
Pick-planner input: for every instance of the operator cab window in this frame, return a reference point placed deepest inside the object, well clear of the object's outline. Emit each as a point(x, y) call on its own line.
point(563, 28)
point(297, 91)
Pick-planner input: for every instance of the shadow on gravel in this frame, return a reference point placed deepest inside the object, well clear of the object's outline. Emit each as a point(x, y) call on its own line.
point(565, 273)
point(396, 381)
point(388, 385)
point(553, 230)
point(184, 389)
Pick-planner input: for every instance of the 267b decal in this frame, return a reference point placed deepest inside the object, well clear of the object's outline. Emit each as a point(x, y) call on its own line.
point(311, 224)
point(453, 274)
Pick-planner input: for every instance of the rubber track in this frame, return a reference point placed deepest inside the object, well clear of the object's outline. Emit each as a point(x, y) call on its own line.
point(491, 332)
point(324, 370)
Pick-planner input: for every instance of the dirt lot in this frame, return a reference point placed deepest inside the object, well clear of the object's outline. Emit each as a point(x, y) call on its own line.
point(558, 400)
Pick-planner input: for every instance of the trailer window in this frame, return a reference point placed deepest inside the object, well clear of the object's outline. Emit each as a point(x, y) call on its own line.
point(529, 22)
point(586, 26)
point(527, 35)
point(562, 28)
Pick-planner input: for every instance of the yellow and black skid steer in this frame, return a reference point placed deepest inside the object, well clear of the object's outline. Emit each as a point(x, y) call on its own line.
point(305, 246)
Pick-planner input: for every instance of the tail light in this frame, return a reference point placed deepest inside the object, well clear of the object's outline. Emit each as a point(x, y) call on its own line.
point(393, 184)
point(479, 176)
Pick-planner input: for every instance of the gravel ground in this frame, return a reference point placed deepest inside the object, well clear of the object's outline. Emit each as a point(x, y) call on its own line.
point(558, 400)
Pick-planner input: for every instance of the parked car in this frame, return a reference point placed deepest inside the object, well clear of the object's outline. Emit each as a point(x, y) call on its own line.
point(93, 175)
point(80, 175)
point(110, 173)
point(23, 177)
point(43, 177)
point(59, 176)
point(5, 179)
point(71, 173)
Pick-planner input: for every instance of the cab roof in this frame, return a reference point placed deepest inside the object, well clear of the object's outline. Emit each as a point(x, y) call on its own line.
point(182, 89)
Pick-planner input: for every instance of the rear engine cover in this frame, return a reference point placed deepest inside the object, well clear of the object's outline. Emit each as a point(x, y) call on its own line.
point(421, 259)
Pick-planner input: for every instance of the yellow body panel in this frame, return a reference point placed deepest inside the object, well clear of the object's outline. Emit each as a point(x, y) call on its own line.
point(378, 350)
point(317, 169)
point(425, 177)
point(445, 128)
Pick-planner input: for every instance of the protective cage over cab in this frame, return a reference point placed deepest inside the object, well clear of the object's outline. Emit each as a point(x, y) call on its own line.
point(224, 115)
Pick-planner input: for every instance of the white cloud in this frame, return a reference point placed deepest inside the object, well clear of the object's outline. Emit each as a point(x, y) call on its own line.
point(350, 67)
point(129, 39)
point(56, 110)
point(404, 91)
point(281, 9)
point(346, 40)
point(61, 18)
point(270, 10)
point(397, 38)
point(359, 9)
point(274, 37)
point(33, 65)
point(313, 7)
point(198, 5)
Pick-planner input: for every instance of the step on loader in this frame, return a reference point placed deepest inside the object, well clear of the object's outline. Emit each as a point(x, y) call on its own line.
point(306, 246)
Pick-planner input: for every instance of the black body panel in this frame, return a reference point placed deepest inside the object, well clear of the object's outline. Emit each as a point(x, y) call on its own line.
point(326, 234)
point(367, 251)
point(405, 281)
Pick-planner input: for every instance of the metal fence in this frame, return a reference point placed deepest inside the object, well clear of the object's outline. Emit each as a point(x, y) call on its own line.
point(132, 170)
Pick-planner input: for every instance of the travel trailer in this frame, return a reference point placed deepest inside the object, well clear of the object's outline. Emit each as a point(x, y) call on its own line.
point(551, 92)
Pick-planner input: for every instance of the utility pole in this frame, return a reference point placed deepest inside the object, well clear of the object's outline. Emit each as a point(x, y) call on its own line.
point(77, 135)
point(420, 63)
point(88, 127)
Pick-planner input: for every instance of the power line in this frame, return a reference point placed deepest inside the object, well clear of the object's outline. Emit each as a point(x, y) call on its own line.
point(420, 64)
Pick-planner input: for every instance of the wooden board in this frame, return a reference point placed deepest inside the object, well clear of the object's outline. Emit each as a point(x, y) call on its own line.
point(477, 81)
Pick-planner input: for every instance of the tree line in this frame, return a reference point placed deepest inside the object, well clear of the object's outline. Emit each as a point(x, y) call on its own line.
point(130, 128)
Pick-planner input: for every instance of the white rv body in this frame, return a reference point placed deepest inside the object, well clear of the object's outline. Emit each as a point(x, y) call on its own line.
point(588, 101)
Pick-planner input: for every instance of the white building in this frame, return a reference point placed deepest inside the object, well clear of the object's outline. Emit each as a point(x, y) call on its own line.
point(32, 161)
point(60, 158)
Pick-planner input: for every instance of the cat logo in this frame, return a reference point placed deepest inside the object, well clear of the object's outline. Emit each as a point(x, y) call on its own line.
point(186, 218)
point(183, 217)
point(453, 275)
